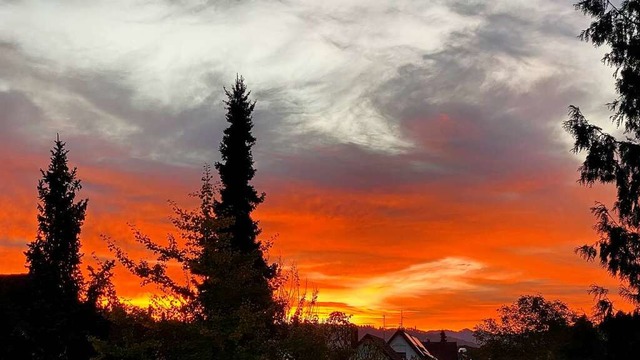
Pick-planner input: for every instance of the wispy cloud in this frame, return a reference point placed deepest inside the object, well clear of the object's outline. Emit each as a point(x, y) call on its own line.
point(444, 275)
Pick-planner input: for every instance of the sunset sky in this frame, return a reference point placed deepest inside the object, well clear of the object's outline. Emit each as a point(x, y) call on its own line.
point(412, 152)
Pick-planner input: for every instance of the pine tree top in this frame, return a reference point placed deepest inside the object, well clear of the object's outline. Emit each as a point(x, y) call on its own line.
point(238, 198)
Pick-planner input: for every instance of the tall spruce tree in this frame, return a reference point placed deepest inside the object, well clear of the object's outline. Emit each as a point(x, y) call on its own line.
point(612, 160)
point(251, 291)
point(54, 257)
point(238, 198)
point(58, 320)
point(231, 287)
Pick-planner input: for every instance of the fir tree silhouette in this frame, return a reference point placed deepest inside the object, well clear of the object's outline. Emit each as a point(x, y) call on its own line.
point(58, 320)
point(54, 257)
point(250, 293)
point(238, 198)
point(230, 291)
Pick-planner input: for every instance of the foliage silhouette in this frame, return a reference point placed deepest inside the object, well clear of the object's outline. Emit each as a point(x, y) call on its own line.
point(610, 160)
point(139, 334)
point(533, 328)
point(621, 333)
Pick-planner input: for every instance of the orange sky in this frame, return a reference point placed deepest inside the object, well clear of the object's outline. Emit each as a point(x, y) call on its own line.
point(445, 263)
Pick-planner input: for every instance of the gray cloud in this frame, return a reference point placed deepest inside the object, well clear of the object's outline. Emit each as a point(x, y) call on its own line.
point(468, 120)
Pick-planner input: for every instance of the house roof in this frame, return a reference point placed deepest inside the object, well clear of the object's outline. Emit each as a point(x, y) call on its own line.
point(381, 345)
point(415, 344)
point(442, 350)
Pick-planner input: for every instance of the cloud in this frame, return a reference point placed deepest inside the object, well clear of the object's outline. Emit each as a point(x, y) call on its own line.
point(319, 61)
point(367, 295)
point(445, 275)
point(149, 74)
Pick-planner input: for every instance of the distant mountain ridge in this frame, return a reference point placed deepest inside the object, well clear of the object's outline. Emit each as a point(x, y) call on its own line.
point(463, 337)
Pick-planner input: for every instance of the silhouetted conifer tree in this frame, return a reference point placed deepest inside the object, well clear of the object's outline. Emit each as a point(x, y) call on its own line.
point(230, 290)
point(612, 160)
point(248, 294)
point(59, 321)
point(238, 198)
point(54, 257)
point(443, 336)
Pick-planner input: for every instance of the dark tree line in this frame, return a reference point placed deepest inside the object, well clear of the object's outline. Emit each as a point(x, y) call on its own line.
point(533, 328)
